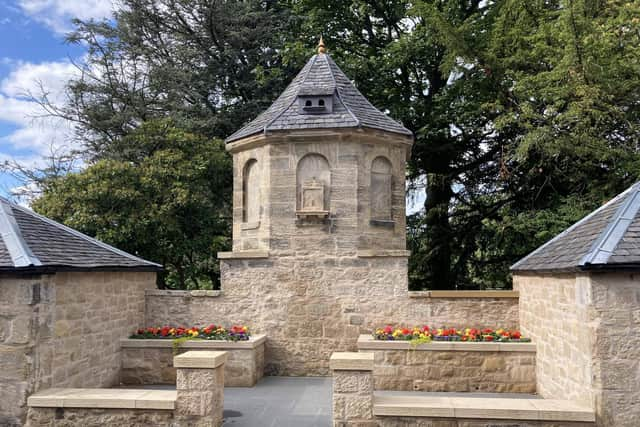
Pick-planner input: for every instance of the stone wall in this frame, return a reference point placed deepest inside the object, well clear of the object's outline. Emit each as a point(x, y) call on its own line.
point(585, 327)
point(93, 311)
point(555, 315)
point(614, 301)
point(63, 330)
point(25, 320)
point(85, 417)
point(143, 363)
point(455, 371)
point(310, 306)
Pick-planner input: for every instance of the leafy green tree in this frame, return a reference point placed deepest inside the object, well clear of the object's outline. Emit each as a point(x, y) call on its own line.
point(165, 201)
point(525, 115)
point(525, 112)
point(209, 65)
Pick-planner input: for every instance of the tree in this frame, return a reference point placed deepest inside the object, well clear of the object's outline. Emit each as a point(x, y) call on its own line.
point(211, 66)
point(525, 116)
point(170, 204)
point(525, 113)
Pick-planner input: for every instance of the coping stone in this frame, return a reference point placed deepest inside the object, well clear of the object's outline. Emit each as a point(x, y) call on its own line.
point(200, 359)
point(243, 255)
point(351, 361)
point(253, 342)
point(106, 398)
point(464, 294)
point(367, 342)
point(455, 406)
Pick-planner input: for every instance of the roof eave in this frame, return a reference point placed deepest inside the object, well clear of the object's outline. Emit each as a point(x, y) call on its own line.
point(52, 269)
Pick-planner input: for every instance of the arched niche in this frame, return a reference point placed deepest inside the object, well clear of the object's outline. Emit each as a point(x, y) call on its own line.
point(380, 189)
point(251, 192)
point(313, 184)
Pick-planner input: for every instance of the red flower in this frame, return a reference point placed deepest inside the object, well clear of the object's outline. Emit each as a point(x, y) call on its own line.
point(405, 331)
point(488, 337)
point(388, 329)
point(516, 335)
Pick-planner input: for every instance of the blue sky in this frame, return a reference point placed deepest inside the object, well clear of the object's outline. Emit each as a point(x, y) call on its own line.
point(33, 54)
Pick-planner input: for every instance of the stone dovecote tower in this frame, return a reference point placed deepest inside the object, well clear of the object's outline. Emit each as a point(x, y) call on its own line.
point(319, 227)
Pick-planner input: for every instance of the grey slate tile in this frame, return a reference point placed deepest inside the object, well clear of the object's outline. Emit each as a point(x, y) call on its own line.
point(584, 245)
point(320, 76)
point(56, 246)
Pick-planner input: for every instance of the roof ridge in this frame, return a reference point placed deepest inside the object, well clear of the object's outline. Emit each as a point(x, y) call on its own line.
point(604, 246)
point(293, 98)
point(572, 227)
point(346, 106)
point(83, 236)
point(19, 251)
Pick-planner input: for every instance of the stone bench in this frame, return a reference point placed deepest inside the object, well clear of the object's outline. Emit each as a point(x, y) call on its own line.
point(197, 400)
point(356, 404)
point(150, 361)
point(452, 366)
point(398, 407)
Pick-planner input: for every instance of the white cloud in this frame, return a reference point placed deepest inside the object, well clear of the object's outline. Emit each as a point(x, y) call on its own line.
point(57, 14)
point(35, 133)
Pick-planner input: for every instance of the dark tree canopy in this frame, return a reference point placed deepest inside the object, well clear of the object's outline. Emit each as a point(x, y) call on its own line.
point(526, 114)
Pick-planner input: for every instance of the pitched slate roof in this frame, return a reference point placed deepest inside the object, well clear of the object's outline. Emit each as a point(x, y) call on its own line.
point(32, 243)
point(321, 76)
point(608, 238)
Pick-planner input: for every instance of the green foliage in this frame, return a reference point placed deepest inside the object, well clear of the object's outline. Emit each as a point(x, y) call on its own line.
point(526, 117)
point(167, 200)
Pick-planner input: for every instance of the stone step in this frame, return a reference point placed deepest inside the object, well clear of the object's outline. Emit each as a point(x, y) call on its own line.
point(457, 405)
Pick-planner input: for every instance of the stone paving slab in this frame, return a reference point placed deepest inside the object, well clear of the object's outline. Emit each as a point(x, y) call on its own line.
point(276, 402)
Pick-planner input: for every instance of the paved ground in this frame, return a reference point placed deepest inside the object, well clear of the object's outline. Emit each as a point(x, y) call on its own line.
point(294, 402)
point(279, 402)
point(276, 402)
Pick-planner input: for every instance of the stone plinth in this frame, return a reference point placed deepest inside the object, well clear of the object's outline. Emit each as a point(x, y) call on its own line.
point(200, 386)
point(352, 389)
point(452, 366)
point(151, 361)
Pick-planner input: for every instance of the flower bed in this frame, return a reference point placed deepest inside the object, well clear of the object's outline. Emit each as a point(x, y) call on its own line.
point(148, 358)
point(211, 332)
point(426, 334)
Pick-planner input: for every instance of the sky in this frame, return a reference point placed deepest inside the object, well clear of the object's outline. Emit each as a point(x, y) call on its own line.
point(34, 55)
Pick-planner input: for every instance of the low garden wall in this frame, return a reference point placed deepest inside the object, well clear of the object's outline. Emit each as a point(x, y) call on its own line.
point(150, 361)
point(452, 366)
point(310, 307)
point(355, 404)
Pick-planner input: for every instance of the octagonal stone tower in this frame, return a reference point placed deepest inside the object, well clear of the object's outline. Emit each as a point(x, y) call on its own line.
point(319, 227)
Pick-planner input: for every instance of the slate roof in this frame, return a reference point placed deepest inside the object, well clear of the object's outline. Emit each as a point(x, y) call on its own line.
point(320, 76)
point(608, 238)
point(32, 243)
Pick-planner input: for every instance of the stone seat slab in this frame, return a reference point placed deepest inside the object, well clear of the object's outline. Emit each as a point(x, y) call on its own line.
point(104, 398)
point(456, 406)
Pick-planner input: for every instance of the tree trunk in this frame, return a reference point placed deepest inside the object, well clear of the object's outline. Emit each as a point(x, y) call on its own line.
point(438, 235)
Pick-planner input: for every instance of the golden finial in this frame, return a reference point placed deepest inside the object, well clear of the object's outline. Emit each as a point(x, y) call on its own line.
point(321, 48)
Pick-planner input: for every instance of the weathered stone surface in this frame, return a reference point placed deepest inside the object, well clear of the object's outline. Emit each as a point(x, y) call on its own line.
point(584, 325)
point(62, 330)
point(455, 371)
point(200, 394)
point(353, 398)
point(305, 304)
point(243, 368)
